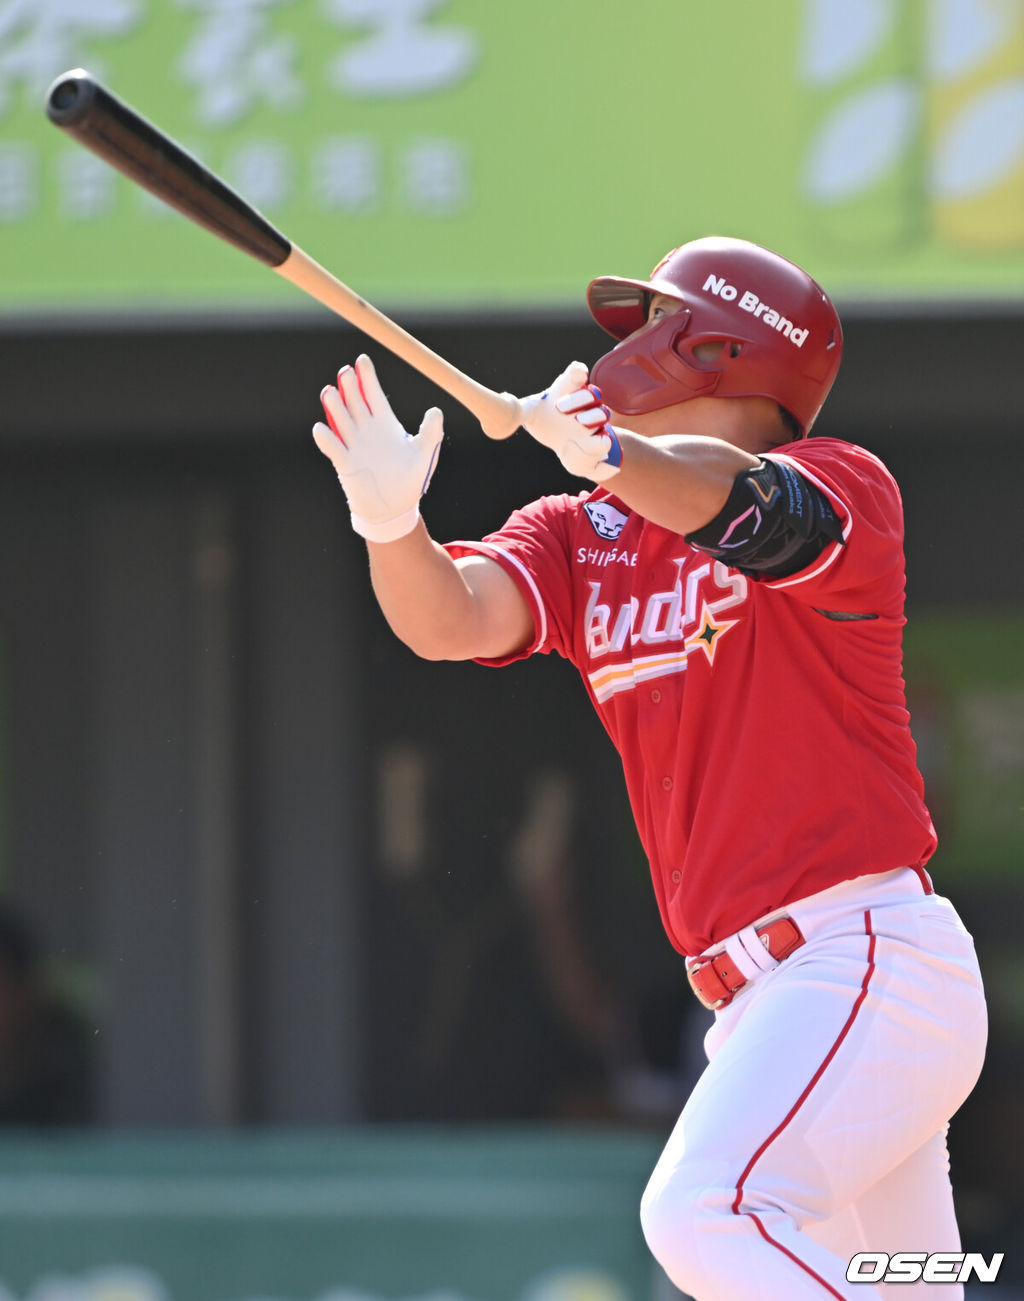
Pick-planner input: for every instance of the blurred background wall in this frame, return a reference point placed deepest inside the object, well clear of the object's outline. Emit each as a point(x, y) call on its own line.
point(278, 873)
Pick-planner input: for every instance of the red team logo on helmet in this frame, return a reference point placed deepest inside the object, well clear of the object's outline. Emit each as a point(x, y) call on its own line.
point(778, 333)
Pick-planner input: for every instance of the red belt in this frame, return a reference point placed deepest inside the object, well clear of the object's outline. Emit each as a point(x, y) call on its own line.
point(717, 980)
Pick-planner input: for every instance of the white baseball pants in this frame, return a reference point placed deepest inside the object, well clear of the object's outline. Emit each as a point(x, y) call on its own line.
point(818, 1128)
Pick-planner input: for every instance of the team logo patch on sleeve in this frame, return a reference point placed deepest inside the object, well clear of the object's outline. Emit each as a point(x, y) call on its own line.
point(608, 522)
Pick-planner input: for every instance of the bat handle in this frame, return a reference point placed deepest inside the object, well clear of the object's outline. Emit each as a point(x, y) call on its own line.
point(500, 414)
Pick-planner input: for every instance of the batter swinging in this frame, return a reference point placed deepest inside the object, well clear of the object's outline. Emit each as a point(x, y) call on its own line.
point(732, 596)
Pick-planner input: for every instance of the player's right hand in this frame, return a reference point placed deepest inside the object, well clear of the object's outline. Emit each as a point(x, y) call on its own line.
point(383, 470)
point(570, 418)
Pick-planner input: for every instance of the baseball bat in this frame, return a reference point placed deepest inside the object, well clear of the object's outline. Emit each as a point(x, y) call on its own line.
point(102, 122)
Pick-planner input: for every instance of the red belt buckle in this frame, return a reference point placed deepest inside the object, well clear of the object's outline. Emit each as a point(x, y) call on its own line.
point(715, 981)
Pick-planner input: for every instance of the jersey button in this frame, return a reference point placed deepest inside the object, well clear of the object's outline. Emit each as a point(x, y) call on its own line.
point(656, 696)
point(667, 783)
point(677, 876)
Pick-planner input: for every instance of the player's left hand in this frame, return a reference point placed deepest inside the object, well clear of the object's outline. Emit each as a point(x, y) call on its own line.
point(569, 418)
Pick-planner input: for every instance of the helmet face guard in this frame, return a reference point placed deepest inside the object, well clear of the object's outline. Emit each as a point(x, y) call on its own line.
point(779, 333)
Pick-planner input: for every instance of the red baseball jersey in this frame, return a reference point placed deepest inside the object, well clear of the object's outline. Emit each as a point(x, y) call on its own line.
point(762, 725)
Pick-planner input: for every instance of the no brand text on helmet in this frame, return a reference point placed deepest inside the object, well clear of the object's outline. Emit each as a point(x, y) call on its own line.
point(750, 302)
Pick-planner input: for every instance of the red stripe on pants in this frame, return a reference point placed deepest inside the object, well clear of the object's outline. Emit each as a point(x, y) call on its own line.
point(858, 1004)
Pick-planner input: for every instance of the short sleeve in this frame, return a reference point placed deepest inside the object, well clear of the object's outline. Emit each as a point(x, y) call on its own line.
point(865, 572)
point(533, 547)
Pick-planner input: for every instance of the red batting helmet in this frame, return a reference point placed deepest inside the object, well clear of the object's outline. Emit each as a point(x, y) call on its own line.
point(780, 333)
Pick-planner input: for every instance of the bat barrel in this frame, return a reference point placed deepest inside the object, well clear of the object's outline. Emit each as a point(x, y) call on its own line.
point(86, 110)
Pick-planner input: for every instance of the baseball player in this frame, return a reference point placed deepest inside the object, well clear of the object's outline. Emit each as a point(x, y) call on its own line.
point(732, 595)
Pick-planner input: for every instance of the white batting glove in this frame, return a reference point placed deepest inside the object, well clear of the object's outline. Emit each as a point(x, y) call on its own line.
point(383, 470)
point(570, 419)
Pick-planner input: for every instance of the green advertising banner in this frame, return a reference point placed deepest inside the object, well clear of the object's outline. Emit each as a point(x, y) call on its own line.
point(446, 154)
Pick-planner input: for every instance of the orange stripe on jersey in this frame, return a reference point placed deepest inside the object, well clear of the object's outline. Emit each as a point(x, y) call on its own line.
point(614, 678)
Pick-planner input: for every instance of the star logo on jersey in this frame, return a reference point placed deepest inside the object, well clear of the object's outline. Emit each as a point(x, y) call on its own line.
point(608, 522)
point(709, 631)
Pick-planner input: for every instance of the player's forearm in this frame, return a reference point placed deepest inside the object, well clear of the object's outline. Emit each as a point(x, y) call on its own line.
point(423, 596)
point(680, 483)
